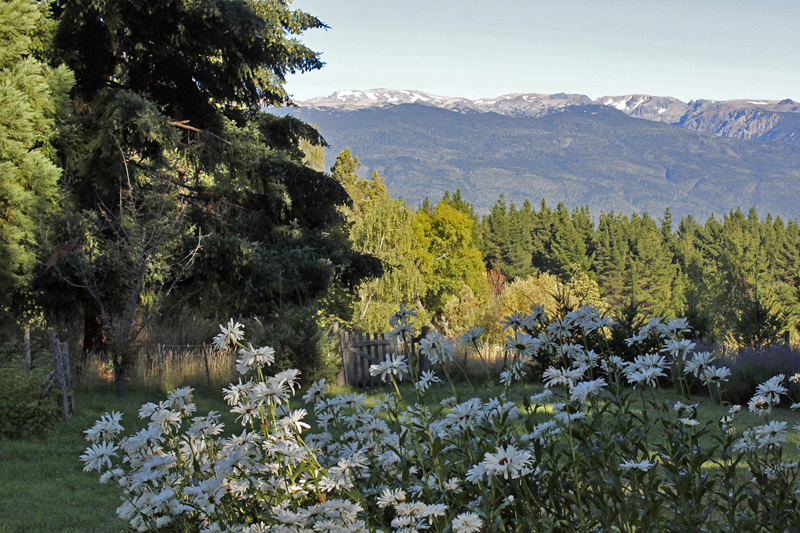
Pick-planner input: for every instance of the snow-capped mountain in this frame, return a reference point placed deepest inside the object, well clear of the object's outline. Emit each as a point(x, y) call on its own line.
point(744, 119)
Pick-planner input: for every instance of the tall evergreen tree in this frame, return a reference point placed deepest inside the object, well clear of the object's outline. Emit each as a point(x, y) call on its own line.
point(541, 229)
point(457, 202)
point(652, 271)
point(569, 246)
point(32, 97)
point(172, 91)
point(612, 257)
point(495, 235)
point(518, 257)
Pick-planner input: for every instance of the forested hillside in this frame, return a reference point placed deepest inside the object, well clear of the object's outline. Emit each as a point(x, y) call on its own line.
point(585, 155)
point(734, 276)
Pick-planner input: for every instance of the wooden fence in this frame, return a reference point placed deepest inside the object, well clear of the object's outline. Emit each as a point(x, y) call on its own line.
point(359, 351)
point(61, 375)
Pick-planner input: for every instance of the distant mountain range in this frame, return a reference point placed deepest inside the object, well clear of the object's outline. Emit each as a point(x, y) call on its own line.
point(695, 158)
point(766, 120)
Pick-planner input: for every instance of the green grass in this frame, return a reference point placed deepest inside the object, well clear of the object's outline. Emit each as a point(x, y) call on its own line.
point(42, 485)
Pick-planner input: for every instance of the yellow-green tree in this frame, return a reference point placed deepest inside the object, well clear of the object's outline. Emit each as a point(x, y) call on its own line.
point(381, 226)
point(447, 256)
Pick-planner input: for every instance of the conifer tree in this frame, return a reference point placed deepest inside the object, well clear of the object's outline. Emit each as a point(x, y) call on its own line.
point(652, 272)
point(495, 235)
point(458, 203)
point(173, 91)
point(695, 303)
point(32, 97)
point(612, 256)
point(568, 246)
point(519, 256)
point(541, 230)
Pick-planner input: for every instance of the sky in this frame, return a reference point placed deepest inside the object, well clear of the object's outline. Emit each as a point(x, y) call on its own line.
point(711, 49)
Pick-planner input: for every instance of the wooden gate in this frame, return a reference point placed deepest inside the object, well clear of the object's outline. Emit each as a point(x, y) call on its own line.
point(359, 351)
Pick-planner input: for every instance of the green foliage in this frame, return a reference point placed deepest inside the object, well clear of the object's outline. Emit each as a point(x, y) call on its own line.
point(446, 255)
point(762, 323)
point(171, 94)
point(735, 277)
point(27, 407)
point(382, 227)
point(299, 341)
point(32, 97)
point(466, 309)
point(314, 154)
point(190, 57)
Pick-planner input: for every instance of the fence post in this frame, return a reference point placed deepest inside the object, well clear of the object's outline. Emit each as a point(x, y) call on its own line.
point(360, 381)
point(424, 362)
point(335, 333)
point(208, 372)
point(374, 352)
point(58, 370)
point(343, 339)
point(68, 375)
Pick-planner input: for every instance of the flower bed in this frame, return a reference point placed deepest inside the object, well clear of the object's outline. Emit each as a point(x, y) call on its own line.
point(599, 462)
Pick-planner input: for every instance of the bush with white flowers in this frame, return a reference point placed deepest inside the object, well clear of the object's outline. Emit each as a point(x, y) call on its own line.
point(598, 450)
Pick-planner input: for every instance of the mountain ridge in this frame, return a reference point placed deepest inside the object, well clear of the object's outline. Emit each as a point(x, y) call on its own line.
point(768, 120)
point(588, 154)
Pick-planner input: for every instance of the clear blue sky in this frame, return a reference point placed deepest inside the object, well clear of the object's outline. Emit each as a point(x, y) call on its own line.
point(715, 49)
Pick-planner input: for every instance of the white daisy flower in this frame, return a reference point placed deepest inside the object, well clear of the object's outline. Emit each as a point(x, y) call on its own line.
point(629, 464)
point(467, 523)
point(585, 389)
point(98, 455)
point(230, 335)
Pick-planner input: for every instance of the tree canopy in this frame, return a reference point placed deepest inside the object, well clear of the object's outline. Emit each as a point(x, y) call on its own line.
point(32, 96)
point(173, 93)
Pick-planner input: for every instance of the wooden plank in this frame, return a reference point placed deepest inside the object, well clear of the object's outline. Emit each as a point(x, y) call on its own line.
point(366, 362)
point(363, 369)
point(372, 379)
point(205, 358)
point(367, 342)
point(348, 373)
point(364, 357)
point(356, 377)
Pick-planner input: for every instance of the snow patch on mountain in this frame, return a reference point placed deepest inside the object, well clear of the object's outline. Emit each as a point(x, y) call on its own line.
point(733, 118)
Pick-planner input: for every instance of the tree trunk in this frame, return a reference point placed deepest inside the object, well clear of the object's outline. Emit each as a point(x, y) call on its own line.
point(94, 334)
point(119, 378)
point(420, 307)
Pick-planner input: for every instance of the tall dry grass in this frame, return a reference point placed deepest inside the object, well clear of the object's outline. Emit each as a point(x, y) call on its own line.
point(164, 367)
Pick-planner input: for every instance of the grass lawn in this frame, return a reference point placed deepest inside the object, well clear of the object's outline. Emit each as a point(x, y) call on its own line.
point(43, 487)
point(42, 484)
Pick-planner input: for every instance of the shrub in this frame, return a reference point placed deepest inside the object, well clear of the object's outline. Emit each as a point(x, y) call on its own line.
point(751, 366)
point(294, 332)
point(26, 405)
